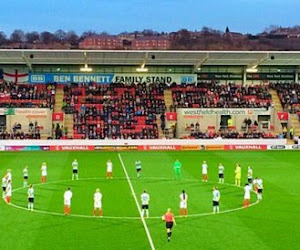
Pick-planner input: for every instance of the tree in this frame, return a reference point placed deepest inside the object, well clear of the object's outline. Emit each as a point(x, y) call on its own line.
point(3, 38)
point(17, 36)
point(88, 34)
point(72, 37)
point(272, 28)
point(32, 37)
point(148, 32)
point(60, 36)
point(47, 37)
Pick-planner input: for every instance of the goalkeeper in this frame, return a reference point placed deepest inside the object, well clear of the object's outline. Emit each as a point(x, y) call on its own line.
point(177, 169)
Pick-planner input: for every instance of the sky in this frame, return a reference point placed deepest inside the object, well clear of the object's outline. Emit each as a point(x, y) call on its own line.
point(115, 16)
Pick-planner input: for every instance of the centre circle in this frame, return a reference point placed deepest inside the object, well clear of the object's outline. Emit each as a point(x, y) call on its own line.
point(118, 202)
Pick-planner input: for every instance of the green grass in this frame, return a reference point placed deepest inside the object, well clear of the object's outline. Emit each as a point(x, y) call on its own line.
point(271, 224)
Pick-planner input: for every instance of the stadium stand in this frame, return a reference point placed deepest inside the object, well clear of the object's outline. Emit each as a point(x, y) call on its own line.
point(25, 95)
point(115, 111)
point(211, 95)
point(289, 95)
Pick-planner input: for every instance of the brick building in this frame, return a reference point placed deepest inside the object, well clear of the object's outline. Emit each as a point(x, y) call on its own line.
point(101, 42)
point(151, 42)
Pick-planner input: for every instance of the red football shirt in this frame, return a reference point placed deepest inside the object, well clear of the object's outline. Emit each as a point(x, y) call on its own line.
point(169, 217)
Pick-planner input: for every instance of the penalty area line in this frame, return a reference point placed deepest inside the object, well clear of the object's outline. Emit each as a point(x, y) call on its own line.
point(137, 203)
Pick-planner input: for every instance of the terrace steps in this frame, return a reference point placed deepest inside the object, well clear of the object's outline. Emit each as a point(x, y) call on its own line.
point(295, 123)
point(168, 98)
point(59, 96)
point(160, 131)
point(276, 100)
point(69, 124)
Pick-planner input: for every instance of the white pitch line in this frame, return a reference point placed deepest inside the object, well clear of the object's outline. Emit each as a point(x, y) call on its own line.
point(137, 204)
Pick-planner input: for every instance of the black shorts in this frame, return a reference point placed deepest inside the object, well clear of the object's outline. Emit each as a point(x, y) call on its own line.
point(75, 171)
point(259, 191)
point(169, 225)
point(4, 189)
point(221, 176)
point(145, 206)
point(31, 200)
point(250, 180)
point(138, 170)
point(25, 177)
point(215, 203)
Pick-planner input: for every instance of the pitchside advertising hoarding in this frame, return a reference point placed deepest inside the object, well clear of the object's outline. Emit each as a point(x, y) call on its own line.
point(27, 148)
point(103, 78)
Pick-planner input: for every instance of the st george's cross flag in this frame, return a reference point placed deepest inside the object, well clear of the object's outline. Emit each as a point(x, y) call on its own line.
point(15, 76)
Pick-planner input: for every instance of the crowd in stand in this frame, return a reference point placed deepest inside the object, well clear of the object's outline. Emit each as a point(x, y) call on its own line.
point(18, 134)
point(27, 95)
point(249, 130)
point(289, 95)
point(116, 110)
point(213, 95)
point(133, 111)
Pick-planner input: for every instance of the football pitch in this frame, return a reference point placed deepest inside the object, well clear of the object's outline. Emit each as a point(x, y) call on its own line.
point(270, 224)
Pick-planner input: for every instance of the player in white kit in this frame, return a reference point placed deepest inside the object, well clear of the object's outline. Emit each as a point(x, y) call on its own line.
point(75, 165)
point(8, 176)
point(97, 203)
point(30, 194)
point(44, 172)
point(67, 201)
point(204, 171)
point(8, 191)
point(259, 187)
point(247, 192)
point(4, 184)
point(25, 176)
point(183, 204)
point(216, 200)
point(250, 176)
point(109, 169)
point(221, 173)
point(145, 198)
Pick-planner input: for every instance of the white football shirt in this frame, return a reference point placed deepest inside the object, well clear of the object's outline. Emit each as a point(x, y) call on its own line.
point(145, 198)
point(216, 195)
point(247, 190)
point(97, 197)
point(204, 168)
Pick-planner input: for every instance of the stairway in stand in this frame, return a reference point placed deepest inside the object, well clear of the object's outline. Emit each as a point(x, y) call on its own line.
point(69, 122)
point(168, 98)
point(68, 118)
point(295, 124)
point(59, 96)
point(160, 132)
point(276, 100)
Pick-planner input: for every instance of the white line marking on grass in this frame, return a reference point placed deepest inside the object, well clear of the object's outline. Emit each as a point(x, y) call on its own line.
point(137, 204)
